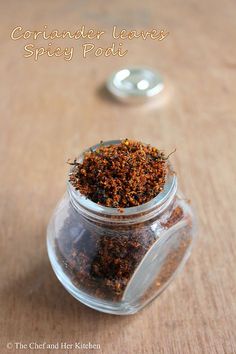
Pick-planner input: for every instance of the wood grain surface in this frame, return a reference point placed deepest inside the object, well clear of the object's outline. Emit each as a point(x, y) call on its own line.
point(52, 109)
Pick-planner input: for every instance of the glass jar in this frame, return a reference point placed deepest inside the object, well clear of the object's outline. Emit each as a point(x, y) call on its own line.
point(117, 261)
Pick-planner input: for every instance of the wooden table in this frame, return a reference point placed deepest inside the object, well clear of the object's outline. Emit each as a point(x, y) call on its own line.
point(52, 109)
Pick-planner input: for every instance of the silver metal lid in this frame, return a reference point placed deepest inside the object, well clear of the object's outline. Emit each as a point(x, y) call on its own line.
point(135, 84)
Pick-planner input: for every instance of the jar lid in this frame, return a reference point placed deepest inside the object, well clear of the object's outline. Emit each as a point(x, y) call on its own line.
point(135, 84)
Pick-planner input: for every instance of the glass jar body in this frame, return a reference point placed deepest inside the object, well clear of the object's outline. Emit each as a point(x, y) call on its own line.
point(119, 265)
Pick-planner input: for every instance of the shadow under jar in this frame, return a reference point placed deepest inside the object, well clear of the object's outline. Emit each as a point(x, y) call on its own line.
point(117, 262)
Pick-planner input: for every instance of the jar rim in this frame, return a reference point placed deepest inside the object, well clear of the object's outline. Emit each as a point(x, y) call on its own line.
point(81, 201)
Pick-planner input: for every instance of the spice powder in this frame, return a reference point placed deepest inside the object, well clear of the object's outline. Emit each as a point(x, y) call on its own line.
point(120, 176)
point(101, 258)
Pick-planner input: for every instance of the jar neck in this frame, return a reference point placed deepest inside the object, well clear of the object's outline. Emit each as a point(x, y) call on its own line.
point(137, 214)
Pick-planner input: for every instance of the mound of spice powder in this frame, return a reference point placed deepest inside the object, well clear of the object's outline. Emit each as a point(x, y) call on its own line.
point(119, 176)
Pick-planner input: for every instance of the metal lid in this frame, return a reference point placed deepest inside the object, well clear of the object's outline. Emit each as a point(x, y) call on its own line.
point(135, 84)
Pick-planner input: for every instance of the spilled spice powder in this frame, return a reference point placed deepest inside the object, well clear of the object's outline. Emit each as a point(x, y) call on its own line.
point(120, 176)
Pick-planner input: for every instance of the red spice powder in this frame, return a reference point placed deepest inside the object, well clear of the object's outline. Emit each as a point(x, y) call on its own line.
point(101, 259)
point(119, 176)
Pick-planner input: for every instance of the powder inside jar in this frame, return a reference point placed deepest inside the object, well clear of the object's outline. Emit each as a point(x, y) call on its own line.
point(101, 256)
point(119, 176)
